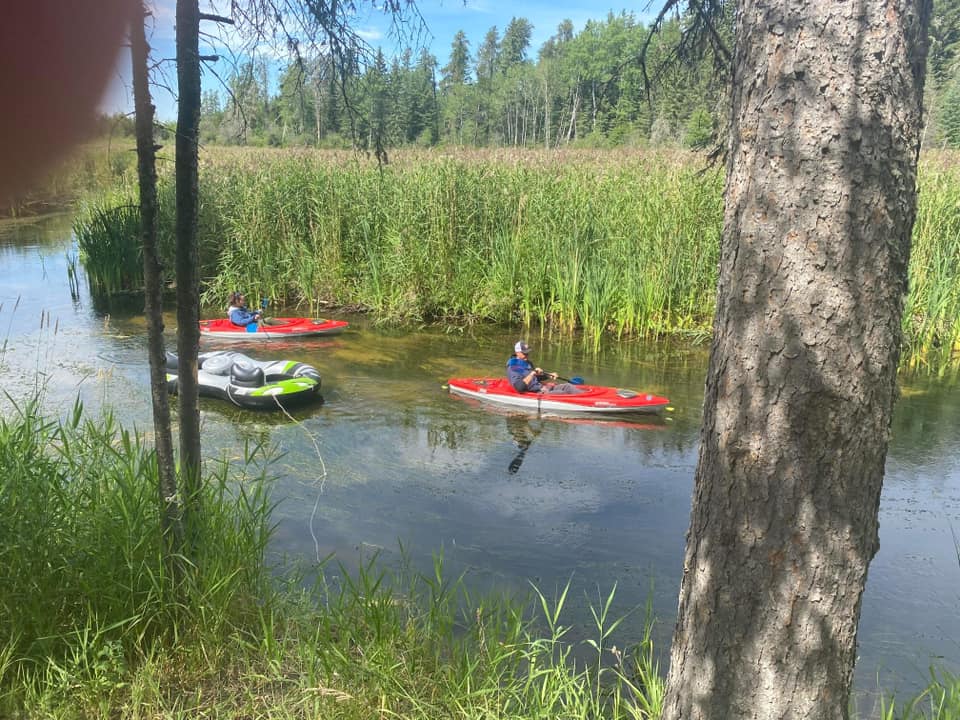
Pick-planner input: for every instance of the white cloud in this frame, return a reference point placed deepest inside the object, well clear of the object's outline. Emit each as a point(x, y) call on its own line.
point(370, 35)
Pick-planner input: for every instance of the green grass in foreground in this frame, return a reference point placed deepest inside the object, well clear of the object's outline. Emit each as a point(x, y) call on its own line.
point(94, 627)
point(939, 701)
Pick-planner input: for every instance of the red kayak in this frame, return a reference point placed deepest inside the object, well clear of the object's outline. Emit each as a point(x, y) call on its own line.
point(273, 328)
point(592, 398)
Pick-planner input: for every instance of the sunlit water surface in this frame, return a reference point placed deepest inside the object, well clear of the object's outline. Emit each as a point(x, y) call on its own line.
point(392, 464)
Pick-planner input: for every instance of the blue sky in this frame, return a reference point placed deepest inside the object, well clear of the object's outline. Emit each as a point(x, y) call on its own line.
point(443, 19)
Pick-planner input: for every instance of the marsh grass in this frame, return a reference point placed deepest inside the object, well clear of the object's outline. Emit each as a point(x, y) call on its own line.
point(593, 243)
point(94, 167)
point(536, 237)
point(932, 312)
point(94, 627)
point(85, 593)
point(108, 238)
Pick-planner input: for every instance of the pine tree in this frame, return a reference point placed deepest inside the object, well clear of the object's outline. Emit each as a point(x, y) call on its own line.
point(949, 115)
point(457, 71)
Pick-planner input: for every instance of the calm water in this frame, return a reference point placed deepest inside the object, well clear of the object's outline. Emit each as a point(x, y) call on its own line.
point(391, 459)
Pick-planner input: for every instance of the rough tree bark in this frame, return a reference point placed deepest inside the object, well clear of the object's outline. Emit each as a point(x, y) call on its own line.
point(187, 273)
point(820, 203)
point(147, 172)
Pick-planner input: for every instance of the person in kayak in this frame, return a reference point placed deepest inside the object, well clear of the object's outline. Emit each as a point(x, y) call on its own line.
point(524, 376)
point(239, 313)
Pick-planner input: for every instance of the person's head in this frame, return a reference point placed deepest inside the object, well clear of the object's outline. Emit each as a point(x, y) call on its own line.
point(521, 348)
point(237, 299)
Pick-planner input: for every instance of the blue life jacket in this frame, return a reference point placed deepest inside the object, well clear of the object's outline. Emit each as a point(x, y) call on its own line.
point(517, 370)
point(242, 316)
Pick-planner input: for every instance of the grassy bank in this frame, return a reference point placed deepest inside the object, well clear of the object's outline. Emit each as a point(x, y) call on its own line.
point(602, 242)
point(94, 627)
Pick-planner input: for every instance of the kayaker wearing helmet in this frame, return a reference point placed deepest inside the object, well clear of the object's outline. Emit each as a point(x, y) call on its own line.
point(524, 376)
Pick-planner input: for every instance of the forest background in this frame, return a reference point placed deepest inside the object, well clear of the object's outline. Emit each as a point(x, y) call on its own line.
point(585, 89)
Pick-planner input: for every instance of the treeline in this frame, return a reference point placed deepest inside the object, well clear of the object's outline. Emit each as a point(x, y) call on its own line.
point(583, 89)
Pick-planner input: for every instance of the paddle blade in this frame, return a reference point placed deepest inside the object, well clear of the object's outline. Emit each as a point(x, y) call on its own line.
point(576, 380)
point(252, 327)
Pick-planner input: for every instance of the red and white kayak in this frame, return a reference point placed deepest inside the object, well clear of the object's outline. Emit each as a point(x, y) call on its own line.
point(273, 328)
point(592, 398)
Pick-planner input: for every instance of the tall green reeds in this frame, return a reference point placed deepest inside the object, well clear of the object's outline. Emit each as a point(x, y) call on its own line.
point(597, 242)
point(587, 241)
point(108, 236)
point(932, 309)
point(107, 230)
point(84, 589)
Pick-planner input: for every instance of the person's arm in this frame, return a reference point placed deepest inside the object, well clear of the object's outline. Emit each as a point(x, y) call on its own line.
point(531, 377)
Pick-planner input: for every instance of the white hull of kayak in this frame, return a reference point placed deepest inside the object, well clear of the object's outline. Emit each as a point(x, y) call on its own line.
point(543, 402)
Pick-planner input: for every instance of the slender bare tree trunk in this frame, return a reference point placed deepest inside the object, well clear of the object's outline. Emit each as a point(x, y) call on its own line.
point(170, 509)
point(820, 203)
point(572, 129)
point(546, 114)
point(318, 122)
point(593, 106)
point(188, 278)
point(522, 120)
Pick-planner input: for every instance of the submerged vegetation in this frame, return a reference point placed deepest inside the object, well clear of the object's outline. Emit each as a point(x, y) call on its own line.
point(597, 242)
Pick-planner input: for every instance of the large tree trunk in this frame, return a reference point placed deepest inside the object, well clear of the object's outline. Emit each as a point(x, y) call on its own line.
point(820, 203)
point(188, 279)
point(147, 171)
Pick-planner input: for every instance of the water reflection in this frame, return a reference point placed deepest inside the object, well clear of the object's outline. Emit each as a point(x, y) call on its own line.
point(523, 435)
point(126, 306)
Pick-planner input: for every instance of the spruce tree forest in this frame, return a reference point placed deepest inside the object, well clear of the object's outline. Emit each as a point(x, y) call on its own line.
point(609, 84)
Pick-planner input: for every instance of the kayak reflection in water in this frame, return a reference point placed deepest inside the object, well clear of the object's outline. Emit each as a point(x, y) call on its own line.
point(524, 376)
point(523, 437)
